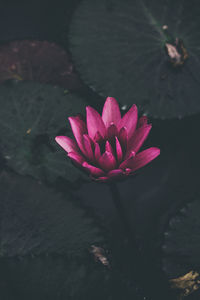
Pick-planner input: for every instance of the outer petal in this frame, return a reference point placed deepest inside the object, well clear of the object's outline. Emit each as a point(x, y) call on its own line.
point(88, 147)
point(67, 144)
point(125, 164)
point(115, 173)
point(79, 129)
point(127, 171)
point(142, 158)
point(107, 161)
point(102, 179)
point(129, 121)
point(94, 123)
point(111, 112)
point(138, 138)
point(94, 171)
point(76, 157)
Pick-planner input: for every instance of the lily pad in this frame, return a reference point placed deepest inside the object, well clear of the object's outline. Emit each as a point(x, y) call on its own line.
point(45, 247)
point(31, 116)
point(35, 220)
point(44, 243)
point(182, 241)
point(58, 278)
point(39, 61)
point(120, 49)
point(53, 278)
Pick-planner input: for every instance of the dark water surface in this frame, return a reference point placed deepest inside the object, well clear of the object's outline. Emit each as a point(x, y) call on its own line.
point(33, 260)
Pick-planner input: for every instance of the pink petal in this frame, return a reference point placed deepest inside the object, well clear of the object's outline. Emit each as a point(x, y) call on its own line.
point(94, 123)
point(98, 137)
point(107, 161)
point(97, 151)
point(138, 138)
point(109, 148)
point(142, 121)
point(102, 179)
point(67, 144)
point(127, 171)
point(111, 131)
point(93, 170)
point(88, 147)
point(115, 173)
point(111, 112)
point(79, 129)
point(125, 164)
point(129, 121)
point(123, 138)
point(118, 150)
point(76, 157)
point(143, 158)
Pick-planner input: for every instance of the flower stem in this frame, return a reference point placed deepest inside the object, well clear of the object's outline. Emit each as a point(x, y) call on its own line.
point(120, 210)
point(142, 266)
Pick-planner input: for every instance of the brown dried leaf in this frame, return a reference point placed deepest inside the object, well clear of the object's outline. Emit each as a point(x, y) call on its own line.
point(177, 53)
point(99, 255)
point(39, 61)
point(187, 283)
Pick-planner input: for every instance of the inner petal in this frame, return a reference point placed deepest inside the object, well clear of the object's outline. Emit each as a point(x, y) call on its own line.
point(107, 161)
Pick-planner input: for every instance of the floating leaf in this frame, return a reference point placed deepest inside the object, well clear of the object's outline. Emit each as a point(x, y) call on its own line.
point(39, 61)
point(53, 278)
point(182, 242)
point(45, 245)
point(120, 49)
point(35, 220)
point(31, 116)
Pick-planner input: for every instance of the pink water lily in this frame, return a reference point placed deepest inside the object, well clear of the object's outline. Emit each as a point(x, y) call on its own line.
point(107, 146)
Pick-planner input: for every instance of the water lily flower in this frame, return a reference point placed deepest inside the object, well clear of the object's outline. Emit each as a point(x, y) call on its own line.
point(107, 146)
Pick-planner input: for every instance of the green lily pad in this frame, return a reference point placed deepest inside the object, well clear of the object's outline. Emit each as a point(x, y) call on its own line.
point(46, 247)
point(119, 48)
point(35, 220)
point(182, 242)
point(45, 241)
point(31, 116)
point(53, 278)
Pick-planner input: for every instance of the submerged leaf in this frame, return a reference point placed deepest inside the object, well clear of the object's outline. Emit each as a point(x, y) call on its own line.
point(119, 48)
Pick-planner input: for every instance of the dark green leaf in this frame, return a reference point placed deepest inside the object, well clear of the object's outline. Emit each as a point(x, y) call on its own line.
point(182, 242)
point(53, 278)
point(31, 116)
point(119, 49)
point(45, 248)
point(35, 220)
